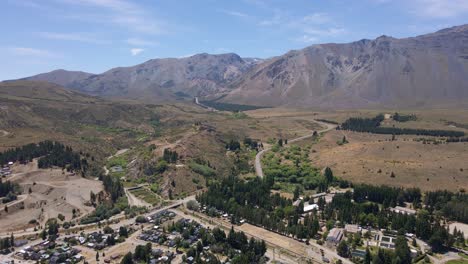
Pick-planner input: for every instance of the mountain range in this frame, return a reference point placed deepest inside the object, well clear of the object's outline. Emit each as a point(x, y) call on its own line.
point(425, 71)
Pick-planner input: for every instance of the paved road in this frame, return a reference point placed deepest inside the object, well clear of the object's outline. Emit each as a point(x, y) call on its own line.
point(258, 157)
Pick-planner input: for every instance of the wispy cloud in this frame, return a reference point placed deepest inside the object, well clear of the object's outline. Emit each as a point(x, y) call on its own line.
point(79, 37)
point(123, 13)
point(140, 42)
point(234, 13)
point(440, 8)
point(33, 52)
point(312, 27)
point(136, 51)
point(317, 18)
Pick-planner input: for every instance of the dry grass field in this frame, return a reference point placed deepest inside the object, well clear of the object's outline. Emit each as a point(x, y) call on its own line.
point(371, 159)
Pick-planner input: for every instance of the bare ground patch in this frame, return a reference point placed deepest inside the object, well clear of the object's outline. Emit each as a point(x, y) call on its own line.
point(53, 192)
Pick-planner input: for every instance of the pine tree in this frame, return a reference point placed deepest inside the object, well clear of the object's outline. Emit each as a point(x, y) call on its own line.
point(328, 175)
point(402, 250)
point(367, 257)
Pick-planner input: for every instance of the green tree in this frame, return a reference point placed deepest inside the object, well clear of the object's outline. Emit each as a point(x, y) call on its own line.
point(297, 192)
point(343, 249)
point(402, 250)
point(127, 259)
point(367, 257)
point(328, 175)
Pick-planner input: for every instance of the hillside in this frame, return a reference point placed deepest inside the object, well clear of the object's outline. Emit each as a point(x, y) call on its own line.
point(423, 71)
point(158, 80)
point(420, 72)
point(32, 111)
point(61, 77)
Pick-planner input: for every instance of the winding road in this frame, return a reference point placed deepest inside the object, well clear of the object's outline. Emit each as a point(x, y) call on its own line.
point(258, 157)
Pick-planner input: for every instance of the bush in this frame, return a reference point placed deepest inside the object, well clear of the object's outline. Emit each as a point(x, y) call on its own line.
point(193, 205)
point(140, 219)
point(202, 169)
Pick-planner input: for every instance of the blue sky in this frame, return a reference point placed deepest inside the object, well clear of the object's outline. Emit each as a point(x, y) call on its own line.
point(96, 35)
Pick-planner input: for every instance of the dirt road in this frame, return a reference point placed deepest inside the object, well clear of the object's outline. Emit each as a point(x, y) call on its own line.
point(258, 157)
point(135, 201)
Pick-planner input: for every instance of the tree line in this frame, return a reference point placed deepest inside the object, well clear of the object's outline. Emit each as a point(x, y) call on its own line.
point(50, 154)
point(403, 118)
point(372, 125)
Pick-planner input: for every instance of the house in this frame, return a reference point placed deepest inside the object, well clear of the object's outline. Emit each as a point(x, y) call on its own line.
point(334, 237)
point(403, 210)
point(318, 195)
point(297, 202)
point(352, 229)
point(310, 207)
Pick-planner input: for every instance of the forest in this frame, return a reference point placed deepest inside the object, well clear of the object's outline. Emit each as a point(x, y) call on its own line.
point(372, 125)
point(50, 154)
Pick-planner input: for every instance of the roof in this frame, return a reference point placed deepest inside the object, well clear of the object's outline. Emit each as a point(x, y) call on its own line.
point(352, 228)
point(403, 210)
point(310, 207)
point(335, 234)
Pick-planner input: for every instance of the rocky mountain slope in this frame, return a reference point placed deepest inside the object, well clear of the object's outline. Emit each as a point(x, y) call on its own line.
point(159, 79)
point(423, 71)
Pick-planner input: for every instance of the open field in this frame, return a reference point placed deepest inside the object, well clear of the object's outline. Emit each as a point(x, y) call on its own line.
point(369, 158)
point(53, 192)
point(146, 195)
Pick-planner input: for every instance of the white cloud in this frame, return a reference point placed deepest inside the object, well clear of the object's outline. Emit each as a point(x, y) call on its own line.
point(80, 37)
point(25, 51)
point(440, 8)
point(136, 51)
point(140, 42)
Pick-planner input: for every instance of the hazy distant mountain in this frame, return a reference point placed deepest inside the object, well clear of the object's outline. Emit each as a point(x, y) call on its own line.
point(425, 71)
point(60, 77)
point(160, 79)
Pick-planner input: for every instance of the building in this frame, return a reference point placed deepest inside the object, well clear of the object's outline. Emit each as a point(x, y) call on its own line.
point(403, 210)
point(334, 237)
point(352, 229)
point(317, 195)
point(297, 202)
point(310, 207)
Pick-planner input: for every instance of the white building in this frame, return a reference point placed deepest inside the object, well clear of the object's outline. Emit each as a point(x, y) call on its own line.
point(310, 207)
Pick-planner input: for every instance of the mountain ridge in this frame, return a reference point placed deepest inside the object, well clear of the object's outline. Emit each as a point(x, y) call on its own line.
point(416, 71)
